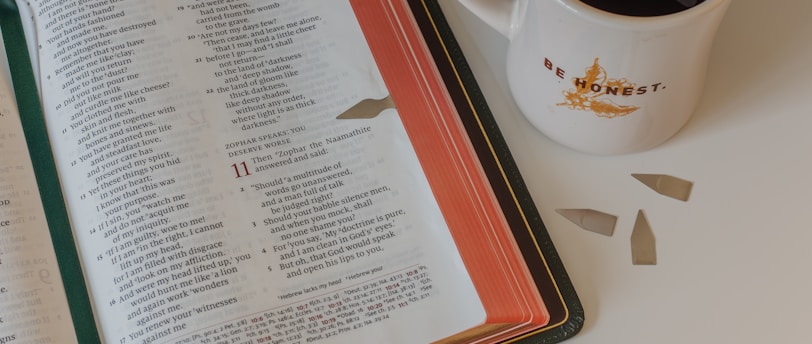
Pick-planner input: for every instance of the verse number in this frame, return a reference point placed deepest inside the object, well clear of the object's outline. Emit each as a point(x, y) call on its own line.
point(241, 169)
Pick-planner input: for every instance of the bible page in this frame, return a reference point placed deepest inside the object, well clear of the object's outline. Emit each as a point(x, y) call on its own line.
point(213, 192)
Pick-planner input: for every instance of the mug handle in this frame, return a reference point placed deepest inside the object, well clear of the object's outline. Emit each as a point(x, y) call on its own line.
point(501, 15)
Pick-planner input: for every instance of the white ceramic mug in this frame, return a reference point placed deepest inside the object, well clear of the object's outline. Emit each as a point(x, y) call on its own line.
point(600, 82)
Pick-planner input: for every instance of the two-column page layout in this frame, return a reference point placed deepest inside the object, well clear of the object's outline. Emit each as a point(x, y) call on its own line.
point(241, 171)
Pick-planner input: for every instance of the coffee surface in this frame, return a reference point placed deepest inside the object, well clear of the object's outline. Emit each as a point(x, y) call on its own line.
point(642, 8)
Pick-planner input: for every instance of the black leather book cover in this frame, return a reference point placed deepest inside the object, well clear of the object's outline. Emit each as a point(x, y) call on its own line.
point(566, 312)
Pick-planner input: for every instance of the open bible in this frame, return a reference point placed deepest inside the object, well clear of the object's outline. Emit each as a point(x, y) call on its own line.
point(238, 171)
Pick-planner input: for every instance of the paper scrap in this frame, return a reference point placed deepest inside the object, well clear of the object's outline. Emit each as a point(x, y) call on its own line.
point(591, 220)
point(666, 185)
point(368, 108)
point(644, 248)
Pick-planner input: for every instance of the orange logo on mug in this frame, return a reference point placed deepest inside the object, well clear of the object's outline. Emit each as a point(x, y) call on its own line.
point(593, 92)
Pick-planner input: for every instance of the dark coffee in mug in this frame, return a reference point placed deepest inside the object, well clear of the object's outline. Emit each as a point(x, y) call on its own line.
point(642, 8)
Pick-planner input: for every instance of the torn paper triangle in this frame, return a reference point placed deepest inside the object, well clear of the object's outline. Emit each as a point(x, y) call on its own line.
point(591, 220)
point(644, 247)
point(368, 108)
point(666, 185)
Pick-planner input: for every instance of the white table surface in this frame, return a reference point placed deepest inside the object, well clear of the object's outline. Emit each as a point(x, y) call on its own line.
point(735, 261)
